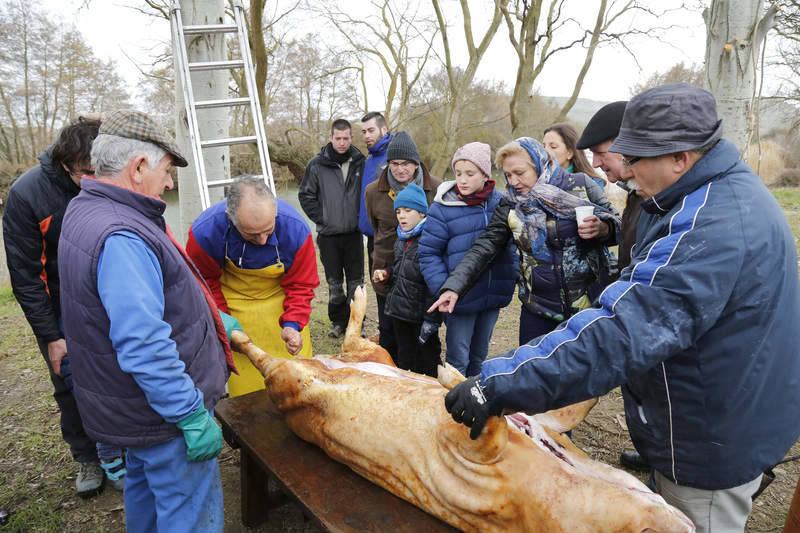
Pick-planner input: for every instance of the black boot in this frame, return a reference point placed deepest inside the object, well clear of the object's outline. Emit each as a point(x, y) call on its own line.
point(632, 460)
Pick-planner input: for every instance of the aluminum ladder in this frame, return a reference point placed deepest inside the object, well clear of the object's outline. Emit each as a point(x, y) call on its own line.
point(239, 27)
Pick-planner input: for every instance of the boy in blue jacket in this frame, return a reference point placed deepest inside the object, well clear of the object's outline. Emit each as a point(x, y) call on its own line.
point(418, 345)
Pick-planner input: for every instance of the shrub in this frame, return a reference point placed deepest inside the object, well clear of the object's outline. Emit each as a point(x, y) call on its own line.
point(788, 178)
point(771, 164)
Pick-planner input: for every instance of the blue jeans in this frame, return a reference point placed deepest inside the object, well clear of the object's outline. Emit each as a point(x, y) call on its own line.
point(165, 492)
point(468, 338)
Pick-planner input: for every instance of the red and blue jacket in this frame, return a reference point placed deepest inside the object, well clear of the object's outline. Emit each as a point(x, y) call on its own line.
point(213, 235)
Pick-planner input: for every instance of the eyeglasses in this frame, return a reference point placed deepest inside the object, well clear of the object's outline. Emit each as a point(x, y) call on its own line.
point(628, 162)
point(404, 164)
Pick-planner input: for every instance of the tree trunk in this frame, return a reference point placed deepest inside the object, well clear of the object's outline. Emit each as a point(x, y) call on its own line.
point(212, 123)
point(735, 30)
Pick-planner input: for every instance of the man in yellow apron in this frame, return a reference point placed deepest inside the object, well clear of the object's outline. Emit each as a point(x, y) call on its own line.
point(256, 253)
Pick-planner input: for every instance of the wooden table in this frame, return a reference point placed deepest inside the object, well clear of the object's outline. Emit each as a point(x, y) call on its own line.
point(334, 497)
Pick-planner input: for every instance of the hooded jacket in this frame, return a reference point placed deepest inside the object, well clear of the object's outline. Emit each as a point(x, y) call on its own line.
point(31, 227)
point(701, 330)
point(451, 228)
point(330, 199)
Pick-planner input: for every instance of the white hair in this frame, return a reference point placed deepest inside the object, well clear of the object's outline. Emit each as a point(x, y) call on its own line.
point(111, 153)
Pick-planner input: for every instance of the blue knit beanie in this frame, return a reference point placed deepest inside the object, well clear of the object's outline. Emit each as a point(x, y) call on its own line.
point(412, 197)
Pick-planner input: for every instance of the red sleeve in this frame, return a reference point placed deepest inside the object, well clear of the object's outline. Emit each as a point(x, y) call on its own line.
point(209, 269)
point(298, 285)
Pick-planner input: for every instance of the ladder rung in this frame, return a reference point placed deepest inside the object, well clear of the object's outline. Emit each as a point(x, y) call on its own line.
point(216, 65)
point(209, 28)
point(228, 102)
point(228, 141)
point(220, 183)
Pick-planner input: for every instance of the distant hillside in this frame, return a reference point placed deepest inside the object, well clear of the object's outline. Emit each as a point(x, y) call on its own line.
point(581, 112)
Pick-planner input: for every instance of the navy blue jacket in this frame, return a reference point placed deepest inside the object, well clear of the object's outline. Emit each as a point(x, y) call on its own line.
point(114, 407)
point(31, 226)
point(409, 298)
point(451, 228)
point(701, 329)
point(550, 286)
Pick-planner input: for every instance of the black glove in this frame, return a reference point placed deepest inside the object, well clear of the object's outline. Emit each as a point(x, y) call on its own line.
point(426, 330)
point(467, 405)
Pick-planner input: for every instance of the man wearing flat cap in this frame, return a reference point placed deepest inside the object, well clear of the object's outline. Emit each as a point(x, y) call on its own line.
point(148, 347)
point(700, 330)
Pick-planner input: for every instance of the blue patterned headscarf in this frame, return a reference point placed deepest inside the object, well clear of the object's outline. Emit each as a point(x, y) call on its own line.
point(543, 197)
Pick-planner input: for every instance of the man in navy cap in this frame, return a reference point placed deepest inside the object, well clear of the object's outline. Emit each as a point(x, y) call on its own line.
point(700, 330)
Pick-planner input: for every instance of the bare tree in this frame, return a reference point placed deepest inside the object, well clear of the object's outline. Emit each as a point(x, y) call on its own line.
point(735, 32)
point(787, 26)
point(534, 29)
point(459, 79)
point(393, 34)
point(677, 73)
point(48, 76)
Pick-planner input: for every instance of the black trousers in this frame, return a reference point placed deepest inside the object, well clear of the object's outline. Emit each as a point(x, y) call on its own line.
point(411, 355)
point(82, 447)
point(386, 329)
point(342, 257)
point(370, 248)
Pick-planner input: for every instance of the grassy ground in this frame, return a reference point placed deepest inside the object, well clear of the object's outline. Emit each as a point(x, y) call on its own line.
point(37, 472)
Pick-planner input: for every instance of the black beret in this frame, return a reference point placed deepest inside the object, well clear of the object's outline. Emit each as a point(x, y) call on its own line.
point(603, 126)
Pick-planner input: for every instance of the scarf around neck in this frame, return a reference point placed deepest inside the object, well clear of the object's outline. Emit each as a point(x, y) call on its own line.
point(397, 186)
point(413, 232)
point(335, 156)
point(543, 198)
point(478, 197)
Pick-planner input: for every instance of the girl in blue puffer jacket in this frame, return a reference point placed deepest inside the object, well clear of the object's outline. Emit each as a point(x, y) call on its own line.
point(457, 216)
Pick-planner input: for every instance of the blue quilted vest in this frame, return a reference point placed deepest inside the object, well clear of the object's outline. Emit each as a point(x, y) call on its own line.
point(113, 407)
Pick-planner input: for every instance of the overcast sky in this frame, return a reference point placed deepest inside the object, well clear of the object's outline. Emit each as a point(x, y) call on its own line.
point(118, 32)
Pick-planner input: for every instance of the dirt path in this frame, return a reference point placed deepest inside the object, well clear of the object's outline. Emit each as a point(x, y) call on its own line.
point(37, 473)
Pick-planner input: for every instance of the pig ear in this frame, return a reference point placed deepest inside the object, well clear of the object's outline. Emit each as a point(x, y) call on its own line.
point(567, 417)
point(486, 449)
point(449, 377)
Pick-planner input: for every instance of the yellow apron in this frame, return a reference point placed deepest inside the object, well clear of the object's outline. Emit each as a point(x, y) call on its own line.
point(255, 298)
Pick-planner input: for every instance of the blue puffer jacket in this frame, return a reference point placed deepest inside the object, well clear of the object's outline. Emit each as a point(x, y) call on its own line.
point(701, 328)
point(450, 230)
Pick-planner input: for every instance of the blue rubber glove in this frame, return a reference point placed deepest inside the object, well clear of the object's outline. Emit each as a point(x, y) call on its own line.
point(202, 435)
point(467, 405)
point(426, 330)
point(231, 324)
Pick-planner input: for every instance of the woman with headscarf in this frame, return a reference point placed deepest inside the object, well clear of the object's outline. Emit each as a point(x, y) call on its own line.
point(559, 259)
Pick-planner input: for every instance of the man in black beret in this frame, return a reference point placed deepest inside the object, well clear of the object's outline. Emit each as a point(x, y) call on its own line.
point(597, 136)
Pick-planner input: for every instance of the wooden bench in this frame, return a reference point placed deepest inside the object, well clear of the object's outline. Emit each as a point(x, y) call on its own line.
point(331, 495)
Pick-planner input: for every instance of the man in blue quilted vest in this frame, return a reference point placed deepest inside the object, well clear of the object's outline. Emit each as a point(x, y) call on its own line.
point(149, 351)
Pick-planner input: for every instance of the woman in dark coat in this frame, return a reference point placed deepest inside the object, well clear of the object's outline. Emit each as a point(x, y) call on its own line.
point(559, 259)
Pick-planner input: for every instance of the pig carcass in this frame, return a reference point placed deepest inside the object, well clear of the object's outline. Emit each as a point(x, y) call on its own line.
point(391, 427)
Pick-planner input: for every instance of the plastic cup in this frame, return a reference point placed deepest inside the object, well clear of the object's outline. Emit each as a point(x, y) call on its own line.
point(583, 211)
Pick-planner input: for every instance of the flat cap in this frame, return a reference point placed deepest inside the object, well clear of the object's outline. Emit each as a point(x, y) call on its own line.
point(139, 126)
point(667, 119)
point(603, 126)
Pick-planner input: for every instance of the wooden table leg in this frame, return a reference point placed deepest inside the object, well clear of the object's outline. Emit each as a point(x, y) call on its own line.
point(254, 491)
